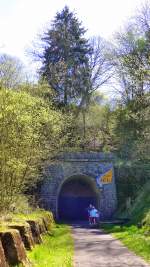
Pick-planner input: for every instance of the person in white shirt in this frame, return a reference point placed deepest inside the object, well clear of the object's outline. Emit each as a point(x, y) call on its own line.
point(94, 214)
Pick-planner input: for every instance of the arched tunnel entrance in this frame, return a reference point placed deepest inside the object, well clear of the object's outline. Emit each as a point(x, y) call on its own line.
point(75, 195)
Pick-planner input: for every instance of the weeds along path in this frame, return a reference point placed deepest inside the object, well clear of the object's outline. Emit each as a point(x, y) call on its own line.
point(94, 248)
point(56, 249)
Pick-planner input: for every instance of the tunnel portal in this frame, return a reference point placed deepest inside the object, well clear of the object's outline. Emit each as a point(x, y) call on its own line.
point(69, 185)
point(76, 194)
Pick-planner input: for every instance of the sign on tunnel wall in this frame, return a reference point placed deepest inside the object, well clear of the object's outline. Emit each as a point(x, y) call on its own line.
point(105, 178)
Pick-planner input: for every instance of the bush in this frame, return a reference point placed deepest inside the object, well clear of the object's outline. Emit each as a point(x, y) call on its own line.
point(30, 130)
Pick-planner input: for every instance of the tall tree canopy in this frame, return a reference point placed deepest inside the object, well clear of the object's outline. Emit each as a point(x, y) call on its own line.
point(12, 72)
point(65, 58)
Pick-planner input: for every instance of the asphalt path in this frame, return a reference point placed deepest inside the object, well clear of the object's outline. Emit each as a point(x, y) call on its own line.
point(94, 248)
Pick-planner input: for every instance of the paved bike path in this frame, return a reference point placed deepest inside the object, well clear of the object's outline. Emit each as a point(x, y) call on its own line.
point(94, 248)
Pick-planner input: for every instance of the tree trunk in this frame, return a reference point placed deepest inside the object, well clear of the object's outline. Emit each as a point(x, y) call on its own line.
point(84, 128)
point(65, 97)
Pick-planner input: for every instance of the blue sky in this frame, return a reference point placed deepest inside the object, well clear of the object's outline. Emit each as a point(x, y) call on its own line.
point(22, 20)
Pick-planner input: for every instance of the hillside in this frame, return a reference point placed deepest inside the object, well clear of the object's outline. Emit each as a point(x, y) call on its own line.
point(141, 205)
point(136, 236)
point(140, 208)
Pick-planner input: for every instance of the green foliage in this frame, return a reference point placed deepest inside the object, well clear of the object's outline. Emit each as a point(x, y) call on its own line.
point(21, 218)
point(42, 90)
point(97, 132)
point(130, 178)
point(56, 251)
point(141, 205)
point(146, 220)
point(131, 63)
point(131, 129)
point(132, 142)
point(89, 129)
point(29, 130)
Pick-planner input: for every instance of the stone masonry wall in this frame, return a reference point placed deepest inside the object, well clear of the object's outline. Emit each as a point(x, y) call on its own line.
point(70, 164)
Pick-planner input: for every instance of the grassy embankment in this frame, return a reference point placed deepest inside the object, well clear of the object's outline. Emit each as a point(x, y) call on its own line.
point(57, 247)
point(135, 238)
point(21, 218)
point(56, 250)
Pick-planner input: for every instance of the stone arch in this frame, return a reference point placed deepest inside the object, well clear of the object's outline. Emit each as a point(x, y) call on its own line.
point(89, 166)
point(74, 195)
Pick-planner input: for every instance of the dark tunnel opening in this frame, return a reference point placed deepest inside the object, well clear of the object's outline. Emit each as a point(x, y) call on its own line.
point(76, 194)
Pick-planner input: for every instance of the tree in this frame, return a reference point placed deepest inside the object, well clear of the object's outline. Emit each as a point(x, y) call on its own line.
point(11, 72)
point(101, 69)
point(131, 64)
point(65, 61)
point(31, 132)
point(98, 134)
point(131, 117)
point(100, 66)
point(131, 56)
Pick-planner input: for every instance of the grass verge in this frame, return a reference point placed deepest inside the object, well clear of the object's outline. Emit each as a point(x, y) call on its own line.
point(56, 250)
point(21, 218)
point(134, 238)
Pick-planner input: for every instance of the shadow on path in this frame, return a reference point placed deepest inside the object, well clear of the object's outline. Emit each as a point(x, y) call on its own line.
point(95, 248)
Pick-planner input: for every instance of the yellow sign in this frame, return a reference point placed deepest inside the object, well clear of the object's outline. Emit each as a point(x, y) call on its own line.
point(107, 177)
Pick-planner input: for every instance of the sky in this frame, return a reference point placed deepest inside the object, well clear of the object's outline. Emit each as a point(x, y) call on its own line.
point(22, 20)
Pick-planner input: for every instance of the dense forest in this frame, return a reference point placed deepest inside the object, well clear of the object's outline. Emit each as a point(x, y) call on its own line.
point(66, 108)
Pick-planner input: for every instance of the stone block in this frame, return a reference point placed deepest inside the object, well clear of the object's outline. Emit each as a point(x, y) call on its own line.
point(42, 227)
point(14, 248)
point(48, 221)
point(35, 231)
point(26, 235)
point(3, 262)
